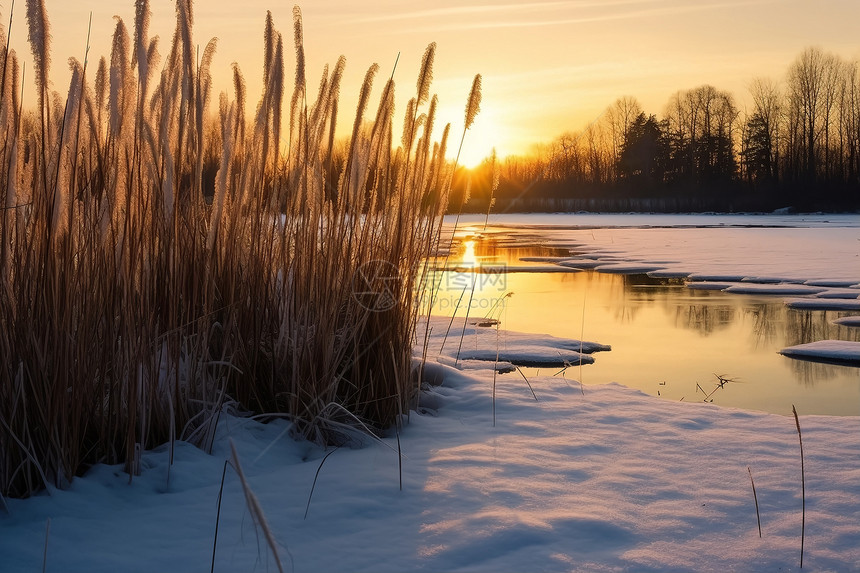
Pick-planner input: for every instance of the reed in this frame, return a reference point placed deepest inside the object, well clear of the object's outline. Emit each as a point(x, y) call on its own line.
point(156, 270)
point(755, 498)
point(802, 484)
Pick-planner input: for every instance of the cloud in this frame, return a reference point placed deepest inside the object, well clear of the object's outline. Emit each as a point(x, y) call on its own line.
point(483, 9)
point(547, 14)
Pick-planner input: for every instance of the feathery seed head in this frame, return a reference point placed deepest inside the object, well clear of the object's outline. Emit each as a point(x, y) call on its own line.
point(268, 46)
point(39, 34)
point(298, 38)
point(473, 106)
point(408, 124)
point(426, 74)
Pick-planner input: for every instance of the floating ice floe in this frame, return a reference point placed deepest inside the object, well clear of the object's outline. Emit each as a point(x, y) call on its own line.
point(710, 285)
point(630, 268)
point(466, 348)
point(833, 351)
point(833, 283)
point(580, 263)
point(669, 273)
point(698, 277)
point(493, 269)
point(822, 304)
point(501, 366)
point(544, 259)
point(851, 321)
point(778, 289)
point(843, 293)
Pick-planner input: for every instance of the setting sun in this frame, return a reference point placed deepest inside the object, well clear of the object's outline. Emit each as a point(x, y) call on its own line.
point(237, 237)
point(481, 138)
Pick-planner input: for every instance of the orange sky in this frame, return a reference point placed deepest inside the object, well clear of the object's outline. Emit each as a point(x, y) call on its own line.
point(547, 66)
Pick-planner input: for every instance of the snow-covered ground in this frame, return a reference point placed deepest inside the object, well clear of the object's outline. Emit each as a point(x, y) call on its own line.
point(597, 479)
point(569, 478)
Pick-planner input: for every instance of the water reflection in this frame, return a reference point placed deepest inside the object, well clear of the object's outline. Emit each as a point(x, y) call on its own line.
point(666, 338)
point(765, 318)
point(704, 318)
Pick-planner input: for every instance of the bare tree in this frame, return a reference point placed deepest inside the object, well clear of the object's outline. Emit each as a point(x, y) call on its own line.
point(806, 85)
point(619, 117)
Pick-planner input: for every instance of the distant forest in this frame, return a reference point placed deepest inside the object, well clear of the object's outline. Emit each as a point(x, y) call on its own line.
point(798, 146)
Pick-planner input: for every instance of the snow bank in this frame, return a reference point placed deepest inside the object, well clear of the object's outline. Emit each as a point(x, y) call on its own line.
point(599, 479)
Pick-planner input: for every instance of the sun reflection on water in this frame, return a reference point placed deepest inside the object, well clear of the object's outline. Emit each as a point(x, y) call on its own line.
point(665, 338)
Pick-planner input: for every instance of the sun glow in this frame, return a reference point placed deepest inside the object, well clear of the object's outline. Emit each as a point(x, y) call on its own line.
point(485, 134)
point(469, 258)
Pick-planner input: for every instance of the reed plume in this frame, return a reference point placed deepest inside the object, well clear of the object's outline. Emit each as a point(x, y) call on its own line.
point(141, 54)
point(119, 68)
point(268, 46)
point(425, 76)
point(363, 98)
point(473, 106)
point(193, 262)
point(240, 93)
point(39, 35)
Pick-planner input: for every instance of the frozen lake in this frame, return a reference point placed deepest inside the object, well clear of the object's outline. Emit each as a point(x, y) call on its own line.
point(669, 339)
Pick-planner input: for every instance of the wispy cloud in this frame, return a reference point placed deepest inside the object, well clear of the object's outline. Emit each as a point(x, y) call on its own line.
point(484, 9)
point(661, 8)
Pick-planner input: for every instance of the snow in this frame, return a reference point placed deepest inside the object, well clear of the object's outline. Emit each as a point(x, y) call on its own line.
point(483, 345)
point(585, 478)
point(852, 321)
point(834, 283)
point(600, 479)
point(770, 288)
point(837, 351)
point(823, 304)
point(628, 268)
point(721, 247)
point(846, 293)
point(710, 285)
point(581, 263)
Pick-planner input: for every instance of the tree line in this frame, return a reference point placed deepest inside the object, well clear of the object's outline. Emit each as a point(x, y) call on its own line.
point(797, 145)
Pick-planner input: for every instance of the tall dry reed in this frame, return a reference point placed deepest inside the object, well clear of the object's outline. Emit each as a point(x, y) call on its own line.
point(155, 270)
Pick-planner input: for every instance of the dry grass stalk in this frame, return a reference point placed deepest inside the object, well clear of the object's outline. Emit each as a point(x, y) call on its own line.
point(154, 270)
point(802, 485)
point(755, 498)
point(255, 508)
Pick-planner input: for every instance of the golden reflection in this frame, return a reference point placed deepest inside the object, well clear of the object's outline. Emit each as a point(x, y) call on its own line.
point(648, 322)
point(468, 258)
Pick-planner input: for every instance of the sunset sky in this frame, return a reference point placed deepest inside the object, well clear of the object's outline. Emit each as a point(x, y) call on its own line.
point(548, 66)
